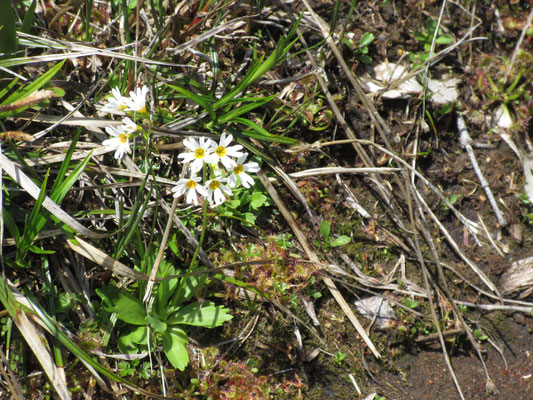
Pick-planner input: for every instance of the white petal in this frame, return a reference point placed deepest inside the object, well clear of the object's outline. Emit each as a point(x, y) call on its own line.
point(251, 167)
point(191, 197)
point(203, 191)
point(219, 197)
point(246, 180)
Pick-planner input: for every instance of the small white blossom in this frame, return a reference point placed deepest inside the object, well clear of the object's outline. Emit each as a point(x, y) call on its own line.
point(217, 189)
point(200, 152)
point(116, 103)
point(128, 126)
point(192, 187)
point(119, 142)
point(240, 171)
point(223, 153)
point(137, 100)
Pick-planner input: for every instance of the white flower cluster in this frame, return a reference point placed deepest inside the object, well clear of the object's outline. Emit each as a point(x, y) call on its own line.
point(122, 135)
point(206, 152)
point(202, 152)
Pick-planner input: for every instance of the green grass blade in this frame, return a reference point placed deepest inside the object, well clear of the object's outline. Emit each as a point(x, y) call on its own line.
point(136, 215)
point(35, 85)
point(31, 225)
point(11, 226)
point(202, 101)
point(29, 17)
point(260, 133)
point(261, 67)
point(236, 112)
point(66, 163)
point(8, 31)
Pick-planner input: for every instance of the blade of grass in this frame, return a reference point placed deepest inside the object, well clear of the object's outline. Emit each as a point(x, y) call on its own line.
point(34, 86)
point(31, 223)
point(236, 112)
point(261, 67)
point(28, 17)
point(260, 133)
point(34, 338)
point(202, 101)
point(137, 212)
point(16, 173)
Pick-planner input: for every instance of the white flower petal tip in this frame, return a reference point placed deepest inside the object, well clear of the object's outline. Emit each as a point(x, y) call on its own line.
point(116, 103)
point(137, 100)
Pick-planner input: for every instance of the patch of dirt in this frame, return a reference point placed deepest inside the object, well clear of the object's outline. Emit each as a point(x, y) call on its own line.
point(423, 374)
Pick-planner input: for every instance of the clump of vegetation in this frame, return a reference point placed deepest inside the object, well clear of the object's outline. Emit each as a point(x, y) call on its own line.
point(195, 195)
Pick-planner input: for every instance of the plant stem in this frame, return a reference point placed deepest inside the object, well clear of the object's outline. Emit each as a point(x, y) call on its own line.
point(155, 268)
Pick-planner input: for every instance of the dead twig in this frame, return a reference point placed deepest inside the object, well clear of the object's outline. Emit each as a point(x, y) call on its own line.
point(466, 143)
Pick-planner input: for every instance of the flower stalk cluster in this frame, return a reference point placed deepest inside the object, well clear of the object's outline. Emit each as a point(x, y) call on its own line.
point(203, 154)
point(122, 135)
point(206, 153)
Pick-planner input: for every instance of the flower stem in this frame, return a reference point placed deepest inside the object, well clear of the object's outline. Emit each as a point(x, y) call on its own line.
point(204, 224)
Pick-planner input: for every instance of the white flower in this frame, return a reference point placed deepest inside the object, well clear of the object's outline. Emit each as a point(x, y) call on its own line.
point(223, 153)
point(240, 171)
point(120, 141)
point(137, 100)
point(217, 189)
point(192, 187)
point(200, 152)
point(128, 126)
point(116, 103)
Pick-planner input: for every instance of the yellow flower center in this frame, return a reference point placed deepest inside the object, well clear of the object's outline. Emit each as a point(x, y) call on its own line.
point(199, 153)
point(214, 185)
point(220, 151)
point(238, 169)
point(122, 107)
point(191, 184)
point(123, 138)
point(142, 110)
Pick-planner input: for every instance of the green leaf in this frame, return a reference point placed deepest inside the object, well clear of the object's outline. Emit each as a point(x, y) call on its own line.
point(131, 337)
point(137, 213)
point(258, 200)
point(341, 241)
point(12, 227)
point(29, 17)
point(444, 39)
point(154, 321)
point(421, 37)
point(366, 39)
point(174, 342)
point(206, 315)
point(33, 223)
point(32, 87)
point(202, 101)
point(8, 32)
point(37, 250)
point(165, 290)
point(59, 192)
point(236, 112)
point(261, 67)
point(325, 229)
point(364, 58)
point(189, 287)
point(127, 307)
point(262, 133)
